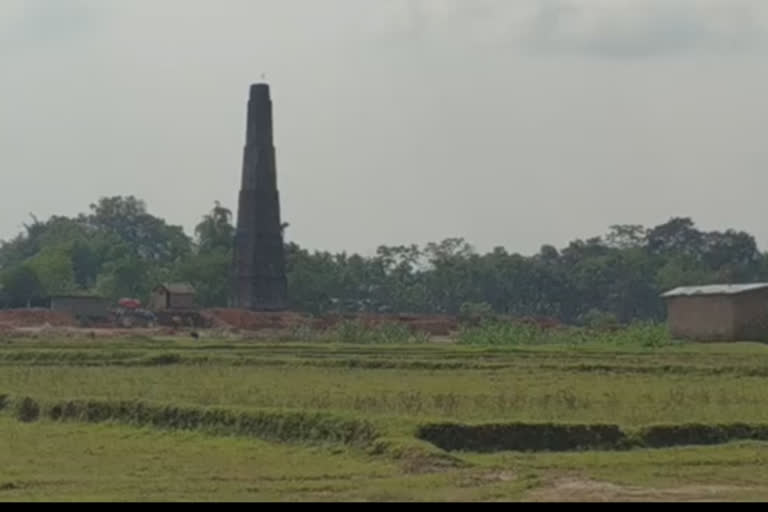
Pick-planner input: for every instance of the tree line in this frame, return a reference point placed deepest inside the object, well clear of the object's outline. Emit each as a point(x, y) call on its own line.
point(119, 249)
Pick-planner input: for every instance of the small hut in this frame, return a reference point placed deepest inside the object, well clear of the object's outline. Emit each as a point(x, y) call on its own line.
point(81, 306)
point(173, 296)
point(729, 312)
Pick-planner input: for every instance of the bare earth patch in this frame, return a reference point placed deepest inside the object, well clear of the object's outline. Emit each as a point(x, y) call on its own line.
point(575, 490)
point(499, 476)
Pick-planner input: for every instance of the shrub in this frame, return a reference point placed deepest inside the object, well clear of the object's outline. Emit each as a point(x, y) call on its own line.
point(501, 333)
point(351, 331)
point(600, 320)
point(357, 332)
point(645, 334)
point(476, 312)
point(659, 436)
point(270, 425)
point(521, 437)
point(163, 360)
point(560, 437)
point(27, 410)
point(514, 333)
point(301, 332)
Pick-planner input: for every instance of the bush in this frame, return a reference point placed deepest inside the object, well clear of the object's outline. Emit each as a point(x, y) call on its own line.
point(558, 437)
point(269, 425)
point(660, 436)
point(27, 410)
point(301, 332)
point(385, 334)
point(521, 334)
point(649, 334)
point(522, 437)
point(352, 332)
point(476, 313)
point(163, 360)
point(644, 334)
point(390, 333)
point(501, 333)
point(600, 320)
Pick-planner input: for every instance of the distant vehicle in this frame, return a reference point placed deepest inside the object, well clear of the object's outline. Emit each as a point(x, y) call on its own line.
point(129, 303)
point(129, 313)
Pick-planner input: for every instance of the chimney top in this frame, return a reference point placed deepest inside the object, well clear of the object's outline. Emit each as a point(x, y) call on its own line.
point(260, 91)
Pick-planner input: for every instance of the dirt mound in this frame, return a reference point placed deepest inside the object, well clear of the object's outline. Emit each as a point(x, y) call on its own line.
point(541, 322)
point(436, 326)
point(185, 319)
point(35, 318)
point(253, 320)
point(257, 321)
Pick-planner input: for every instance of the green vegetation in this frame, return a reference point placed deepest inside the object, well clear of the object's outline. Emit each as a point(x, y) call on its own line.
point(523, 392)
point(268, 425)
point(48, 461)
point(175, 419)
point(119, 249)
point(386, 334)
point(494, 332)
point(523, 437)
point(554, 437)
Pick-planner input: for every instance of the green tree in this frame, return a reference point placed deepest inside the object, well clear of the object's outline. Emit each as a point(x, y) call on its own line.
point(120, 249)
point(53, 268)
point(21, 285)
point(144, 235)
point(626, 236)
point(215, 231)
point(126, 277)
point(677, 236)
point(209, 273)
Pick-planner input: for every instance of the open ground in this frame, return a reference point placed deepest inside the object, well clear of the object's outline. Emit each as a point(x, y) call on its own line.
point(174, 418)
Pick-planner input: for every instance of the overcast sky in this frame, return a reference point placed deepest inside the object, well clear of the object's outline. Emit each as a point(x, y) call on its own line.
point(507, 122)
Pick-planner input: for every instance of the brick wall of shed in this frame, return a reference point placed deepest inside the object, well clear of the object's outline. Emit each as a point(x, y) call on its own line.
point(158, 300)
point(702, 318)
point(751, 316)
point(86, 307)
point(182, 301)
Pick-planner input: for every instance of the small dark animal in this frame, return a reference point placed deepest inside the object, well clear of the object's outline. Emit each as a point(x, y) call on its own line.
point(194, 335)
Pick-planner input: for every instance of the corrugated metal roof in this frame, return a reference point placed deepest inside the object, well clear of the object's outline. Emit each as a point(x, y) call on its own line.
point(179, 288)
point(715, 289)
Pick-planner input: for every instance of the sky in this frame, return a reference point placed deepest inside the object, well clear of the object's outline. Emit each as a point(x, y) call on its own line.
point(512, 123)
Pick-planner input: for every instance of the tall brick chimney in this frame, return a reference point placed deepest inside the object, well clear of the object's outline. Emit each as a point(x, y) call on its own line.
point(259, 281)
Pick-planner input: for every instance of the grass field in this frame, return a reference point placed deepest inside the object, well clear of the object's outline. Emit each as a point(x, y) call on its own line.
point(174, 419)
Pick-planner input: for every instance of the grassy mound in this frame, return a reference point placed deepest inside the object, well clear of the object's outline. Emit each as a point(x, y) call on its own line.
point(415, 456)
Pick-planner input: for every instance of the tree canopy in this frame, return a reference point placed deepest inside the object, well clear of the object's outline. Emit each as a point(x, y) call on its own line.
point(120, 249)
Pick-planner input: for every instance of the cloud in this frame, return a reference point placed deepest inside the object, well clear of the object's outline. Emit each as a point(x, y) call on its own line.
point(36, 24)
point(602, 28)
point(622, 28)
point(503, 107)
